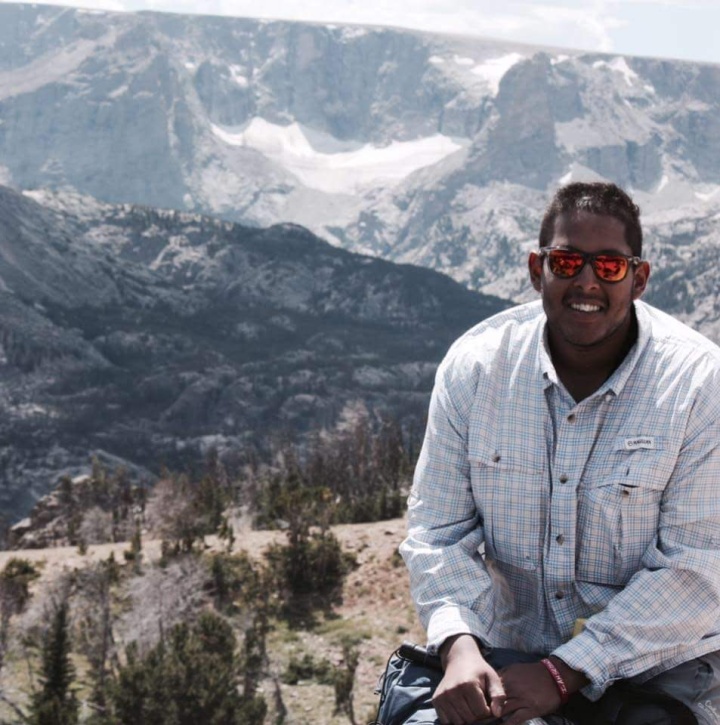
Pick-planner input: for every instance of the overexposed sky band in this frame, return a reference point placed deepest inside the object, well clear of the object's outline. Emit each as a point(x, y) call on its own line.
point(687, 29)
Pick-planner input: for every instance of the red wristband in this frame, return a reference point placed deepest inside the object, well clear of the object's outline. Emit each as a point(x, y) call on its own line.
point(557, 677)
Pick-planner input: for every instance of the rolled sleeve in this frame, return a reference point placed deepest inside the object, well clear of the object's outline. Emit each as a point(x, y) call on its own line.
point(448, 580)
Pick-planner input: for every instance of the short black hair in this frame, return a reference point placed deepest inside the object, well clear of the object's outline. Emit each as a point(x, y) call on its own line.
point(599, 198)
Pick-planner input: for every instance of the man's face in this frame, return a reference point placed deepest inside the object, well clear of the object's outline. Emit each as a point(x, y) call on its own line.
point(583, 311)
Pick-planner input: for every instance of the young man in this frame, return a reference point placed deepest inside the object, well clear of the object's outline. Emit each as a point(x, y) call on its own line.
point(571, 471)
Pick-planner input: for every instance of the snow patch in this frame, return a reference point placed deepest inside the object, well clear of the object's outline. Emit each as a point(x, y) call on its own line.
point(236, 72)
point(352, 33)
point(663, 183)
point(706, 196)
point(559, 59)
point(178, 252)
point(119, 91)
point(618, 65)
point(492, 71)
point(578, 172)
point(30, 410)
point(463, 61)
point(436, 60)
point(323, 162)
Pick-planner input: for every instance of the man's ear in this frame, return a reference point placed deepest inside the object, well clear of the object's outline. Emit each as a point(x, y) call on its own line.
point(640, 279)
point(535, 269)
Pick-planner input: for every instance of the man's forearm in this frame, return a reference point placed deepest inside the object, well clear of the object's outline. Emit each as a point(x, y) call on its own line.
point(458, 645)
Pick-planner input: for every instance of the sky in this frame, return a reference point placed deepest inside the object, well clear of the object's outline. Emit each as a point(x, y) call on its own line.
point(687, 29)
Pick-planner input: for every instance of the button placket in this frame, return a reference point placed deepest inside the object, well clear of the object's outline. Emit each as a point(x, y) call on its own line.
point(569, 451)
point(575, 430)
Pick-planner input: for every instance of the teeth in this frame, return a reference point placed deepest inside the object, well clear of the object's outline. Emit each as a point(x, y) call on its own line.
point(585, 307)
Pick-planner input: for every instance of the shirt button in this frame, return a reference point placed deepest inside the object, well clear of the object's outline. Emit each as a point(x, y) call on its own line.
point(571, 417)
point(560, 539)
point(496, 457)
point(564, 479)
point(559, 595)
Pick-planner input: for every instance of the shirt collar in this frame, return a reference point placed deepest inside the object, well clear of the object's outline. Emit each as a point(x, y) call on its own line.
point(616, 382)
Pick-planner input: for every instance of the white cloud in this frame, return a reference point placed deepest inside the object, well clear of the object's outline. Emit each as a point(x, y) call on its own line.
point(588, 27)
point(109, 5)
point(517, 20)
point(689, 4)
point(583, 24)
point(633, 26)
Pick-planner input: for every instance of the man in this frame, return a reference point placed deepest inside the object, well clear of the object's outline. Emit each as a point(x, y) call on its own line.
point(571, 471)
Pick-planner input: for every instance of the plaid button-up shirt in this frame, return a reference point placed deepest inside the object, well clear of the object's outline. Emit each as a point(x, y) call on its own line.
point(529, 511)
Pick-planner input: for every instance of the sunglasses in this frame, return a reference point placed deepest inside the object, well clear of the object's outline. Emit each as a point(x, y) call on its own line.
point(568, 263)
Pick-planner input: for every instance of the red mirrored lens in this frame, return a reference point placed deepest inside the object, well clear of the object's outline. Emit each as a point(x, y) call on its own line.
point(610, 269)
point(565, 264)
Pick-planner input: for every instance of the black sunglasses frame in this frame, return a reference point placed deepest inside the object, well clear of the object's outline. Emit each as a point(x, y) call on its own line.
point(586, 257)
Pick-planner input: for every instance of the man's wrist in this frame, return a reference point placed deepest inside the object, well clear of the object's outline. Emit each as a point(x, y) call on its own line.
point(459, 644)
point(574, 679)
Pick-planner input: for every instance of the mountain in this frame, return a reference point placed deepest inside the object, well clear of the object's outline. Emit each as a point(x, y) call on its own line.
point(148, 337)
point(436, 150)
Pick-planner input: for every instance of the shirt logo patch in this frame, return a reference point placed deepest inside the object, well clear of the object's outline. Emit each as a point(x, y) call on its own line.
point(634, 444)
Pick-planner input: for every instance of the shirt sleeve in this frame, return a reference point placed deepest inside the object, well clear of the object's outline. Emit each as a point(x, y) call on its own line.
point(673, 602)
point(449, 582)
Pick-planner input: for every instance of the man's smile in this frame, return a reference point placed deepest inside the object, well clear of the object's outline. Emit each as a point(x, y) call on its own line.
point(585, 306)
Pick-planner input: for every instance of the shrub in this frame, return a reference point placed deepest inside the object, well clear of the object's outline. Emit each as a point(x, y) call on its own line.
point(15, 581)
point(190, 677)
point(309, 572)
point(308, 668)
point(236, 581)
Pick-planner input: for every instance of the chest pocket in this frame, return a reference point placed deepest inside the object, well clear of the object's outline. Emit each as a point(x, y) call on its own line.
point(618, 514)
point(507, 481)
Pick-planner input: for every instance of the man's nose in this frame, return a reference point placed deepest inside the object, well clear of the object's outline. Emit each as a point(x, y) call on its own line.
point(587, 277)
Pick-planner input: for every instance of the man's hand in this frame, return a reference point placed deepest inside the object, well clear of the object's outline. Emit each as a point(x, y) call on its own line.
point(531, 691)
point(471, 690)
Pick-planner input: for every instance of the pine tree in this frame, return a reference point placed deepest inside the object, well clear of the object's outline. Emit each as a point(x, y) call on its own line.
point(55, 703)
point(189, 677)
